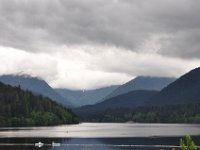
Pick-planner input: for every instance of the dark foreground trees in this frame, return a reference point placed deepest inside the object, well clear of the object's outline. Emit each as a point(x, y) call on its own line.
point(22, 108)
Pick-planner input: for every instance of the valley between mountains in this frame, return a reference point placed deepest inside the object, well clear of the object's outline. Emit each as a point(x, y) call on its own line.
point(30, 101)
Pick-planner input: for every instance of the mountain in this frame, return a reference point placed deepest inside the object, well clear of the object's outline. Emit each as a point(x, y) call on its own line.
point(22, 108)
point(35, 85)
point(128, 100)
point(186, 89)
point(142, 83)
point(80, 98)
point(178, 102)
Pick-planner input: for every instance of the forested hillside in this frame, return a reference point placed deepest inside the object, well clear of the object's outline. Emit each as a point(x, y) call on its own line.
point(22, 108)
point(36, 85)
point(129, 100)
point(184, 90)
point(186, 113)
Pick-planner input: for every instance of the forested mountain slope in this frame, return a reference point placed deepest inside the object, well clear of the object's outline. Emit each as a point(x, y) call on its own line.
point(35, 85)
point(22, 108)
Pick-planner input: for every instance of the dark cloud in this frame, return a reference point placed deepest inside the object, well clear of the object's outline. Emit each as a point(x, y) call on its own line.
point(36, 25)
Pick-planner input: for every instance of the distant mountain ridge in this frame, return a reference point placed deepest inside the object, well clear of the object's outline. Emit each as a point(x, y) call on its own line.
point(35, 85)
point(186, 89)
point(128, 100)
point(86, 97)
point(142, 83)
point(132, 94)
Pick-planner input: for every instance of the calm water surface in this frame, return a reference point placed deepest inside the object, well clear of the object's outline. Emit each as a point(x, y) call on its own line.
point(98, 136)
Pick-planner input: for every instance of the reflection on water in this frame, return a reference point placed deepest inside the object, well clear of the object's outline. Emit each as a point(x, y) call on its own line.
point(112, 141)
point(106, 135)
point(100, 130)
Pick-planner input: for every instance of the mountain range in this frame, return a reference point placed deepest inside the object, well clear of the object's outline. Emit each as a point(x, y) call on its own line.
point(36, 86)
point(89, 97)
point(86, 97)
point(77, 98)
point(145, 96)
point(128, 100)
point(132, 94)
point(141, 83)
point(184, 90)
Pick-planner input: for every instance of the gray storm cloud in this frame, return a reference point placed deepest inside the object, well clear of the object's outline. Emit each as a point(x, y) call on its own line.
point(94, 43)
point(32, 25)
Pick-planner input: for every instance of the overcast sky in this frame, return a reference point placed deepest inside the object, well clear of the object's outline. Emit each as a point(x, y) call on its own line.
point(87, 44)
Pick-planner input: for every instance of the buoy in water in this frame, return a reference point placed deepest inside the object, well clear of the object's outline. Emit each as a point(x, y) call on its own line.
point(39, 144)
point(55, 144)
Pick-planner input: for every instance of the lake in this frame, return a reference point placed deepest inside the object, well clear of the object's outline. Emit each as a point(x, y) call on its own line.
point(98, 136)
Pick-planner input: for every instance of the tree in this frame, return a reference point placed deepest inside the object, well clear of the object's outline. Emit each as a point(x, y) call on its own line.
point(188, 144)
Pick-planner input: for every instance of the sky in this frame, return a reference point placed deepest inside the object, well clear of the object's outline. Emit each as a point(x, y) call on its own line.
point(88, 44)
